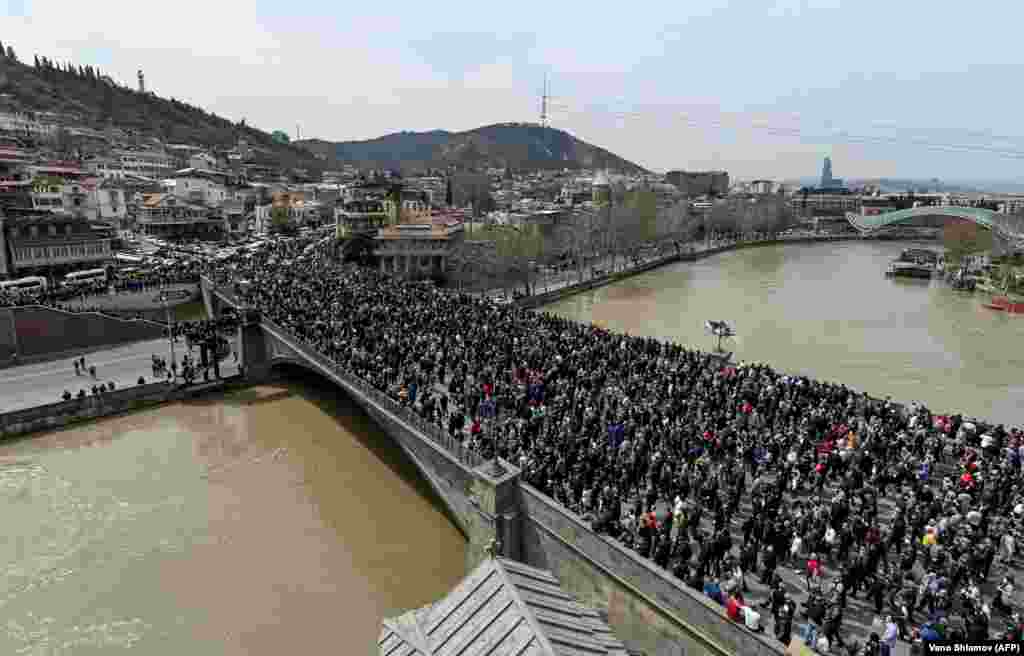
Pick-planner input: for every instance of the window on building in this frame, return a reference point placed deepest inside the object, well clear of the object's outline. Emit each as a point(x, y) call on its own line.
point(52, 230)
point(34, 231)
point(67, 229)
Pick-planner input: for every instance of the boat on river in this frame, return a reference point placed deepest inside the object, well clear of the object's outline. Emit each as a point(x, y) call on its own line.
point(1006, 304)
point(1003, 297)
point(909, 270)
point(914, 263)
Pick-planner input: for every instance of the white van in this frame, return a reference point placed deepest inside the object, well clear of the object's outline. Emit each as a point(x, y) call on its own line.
point(79, 278)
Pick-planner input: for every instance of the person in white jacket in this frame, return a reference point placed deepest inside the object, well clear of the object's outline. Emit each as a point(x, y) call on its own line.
point(889, 636)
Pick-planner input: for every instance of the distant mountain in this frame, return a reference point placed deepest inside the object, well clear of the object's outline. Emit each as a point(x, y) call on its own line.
point(86, 97)
point(521, 146)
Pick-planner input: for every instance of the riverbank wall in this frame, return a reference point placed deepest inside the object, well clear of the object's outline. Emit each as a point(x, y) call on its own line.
point(37, 333)
point(547, 298)
point(58, 415)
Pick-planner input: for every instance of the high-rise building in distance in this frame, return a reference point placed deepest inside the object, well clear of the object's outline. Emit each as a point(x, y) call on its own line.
point(827, 181)
point(826, 174)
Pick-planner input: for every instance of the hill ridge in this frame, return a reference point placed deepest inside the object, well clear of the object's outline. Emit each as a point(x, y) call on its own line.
point(522, 146)
point(88, 98)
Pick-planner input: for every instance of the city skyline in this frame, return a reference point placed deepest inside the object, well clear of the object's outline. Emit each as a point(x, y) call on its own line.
point(763, 109)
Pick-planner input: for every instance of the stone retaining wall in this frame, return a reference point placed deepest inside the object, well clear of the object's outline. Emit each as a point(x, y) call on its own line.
point(538, 300)
point(37, 333)
point(64, 413)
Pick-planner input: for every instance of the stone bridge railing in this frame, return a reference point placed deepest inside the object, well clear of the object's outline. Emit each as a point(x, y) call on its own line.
point(429, 429)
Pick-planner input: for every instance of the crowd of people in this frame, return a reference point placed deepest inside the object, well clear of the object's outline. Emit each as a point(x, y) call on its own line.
point(181, 272)
point(83, 369)
point(732, 477)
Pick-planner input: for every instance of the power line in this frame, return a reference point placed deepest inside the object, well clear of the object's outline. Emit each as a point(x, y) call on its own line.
point(841, 136)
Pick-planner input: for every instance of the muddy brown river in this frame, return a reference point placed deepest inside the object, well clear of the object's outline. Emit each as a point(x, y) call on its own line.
point(221, 526)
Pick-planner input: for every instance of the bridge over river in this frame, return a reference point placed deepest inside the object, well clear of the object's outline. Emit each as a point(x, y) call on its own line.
point(649, 610)
point(1008, 229)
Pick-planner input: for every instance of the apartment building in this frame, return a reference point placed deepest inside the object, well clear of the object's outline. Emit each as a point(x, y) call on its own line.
point(26, 125)
point(49, 243)
point(149, 163)
point(167, 216)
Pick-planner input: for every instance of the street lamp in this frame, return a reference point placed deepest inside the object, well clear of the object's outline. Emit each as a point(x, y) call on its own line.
point(170, 333)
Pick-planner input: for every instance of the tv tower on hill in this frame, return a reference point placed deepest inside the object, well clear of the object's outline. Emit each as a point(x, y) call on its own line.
point(544, 104)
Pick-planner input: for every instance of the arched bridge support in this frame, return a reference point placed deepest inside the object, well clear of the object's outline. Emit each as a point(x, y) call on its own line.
point(483, 503)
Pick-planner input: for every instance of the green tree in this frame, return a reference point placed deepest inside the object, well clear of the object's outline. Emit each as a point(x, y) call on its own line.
point(519, 249)
point(280, 222)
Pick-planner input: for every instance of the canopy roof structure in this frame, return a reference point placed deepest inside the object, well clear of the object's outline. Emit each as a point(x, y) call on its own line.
point(502, 607)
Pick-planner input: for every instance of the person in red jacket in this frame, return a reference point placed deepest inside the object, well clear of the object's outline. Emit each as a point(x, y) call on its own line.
point(814, 569)
point(734, 607)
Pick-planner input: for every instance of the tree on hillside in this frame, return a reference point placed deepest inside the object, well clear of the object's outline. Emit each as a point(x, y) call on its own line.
point(11, 55)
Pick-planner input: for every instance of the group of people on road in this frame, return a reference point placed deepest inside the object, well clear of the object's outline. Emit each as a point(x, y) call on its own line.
point(82, 369)
point(765, 491)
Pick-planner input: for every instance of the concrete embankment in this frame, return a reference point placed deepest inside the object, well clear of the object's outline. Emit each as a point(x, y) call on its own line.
point(539, 300)
point(65, 413)
point(37, 333)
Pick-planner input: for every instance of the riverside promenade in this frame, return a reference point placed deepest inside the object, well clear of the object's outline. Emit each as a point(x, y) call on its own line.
point(552, 288)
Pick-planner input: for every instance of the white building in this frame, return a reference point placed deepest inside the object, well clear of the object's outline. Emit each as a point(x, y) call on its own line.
point(201, 186)
point(150, 163)
point(26, 125)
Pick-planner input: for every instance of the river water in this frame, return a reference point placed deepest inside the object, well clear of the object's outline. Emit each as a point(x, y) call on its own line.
point(827, 310)
point(222, 526)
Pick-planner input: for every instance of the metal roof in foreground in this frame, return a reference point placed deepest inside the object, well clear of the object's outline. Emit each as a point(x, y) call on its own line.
point(501, 608)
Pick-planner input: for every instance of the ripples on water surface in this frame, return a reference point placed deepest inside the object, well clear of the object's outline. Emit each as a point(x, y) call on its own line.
point(216, 528)
point(828, 311)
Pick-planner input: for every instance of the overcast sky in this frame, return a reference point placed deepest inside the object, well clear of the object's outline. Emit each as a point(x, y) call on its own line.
point(760, 88)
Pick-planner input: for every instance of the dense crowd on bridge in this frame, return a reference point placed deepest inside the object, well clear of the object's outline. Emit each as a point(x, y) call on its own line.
point(739, 480)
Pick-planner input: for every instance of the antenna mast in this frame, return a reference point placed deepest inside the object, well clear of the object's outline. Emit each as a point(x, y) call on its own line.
point(544, 104)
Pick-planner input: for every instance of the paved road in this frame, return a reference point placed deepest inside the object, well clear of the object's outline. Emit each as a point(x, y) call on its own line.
point(38, 384)
point(129, 301)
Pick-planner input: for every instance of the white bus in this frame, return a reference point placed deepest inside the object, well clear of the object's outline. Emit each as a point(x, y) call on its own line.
point(77, 278)
point(127, 260)
point(29, 285)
